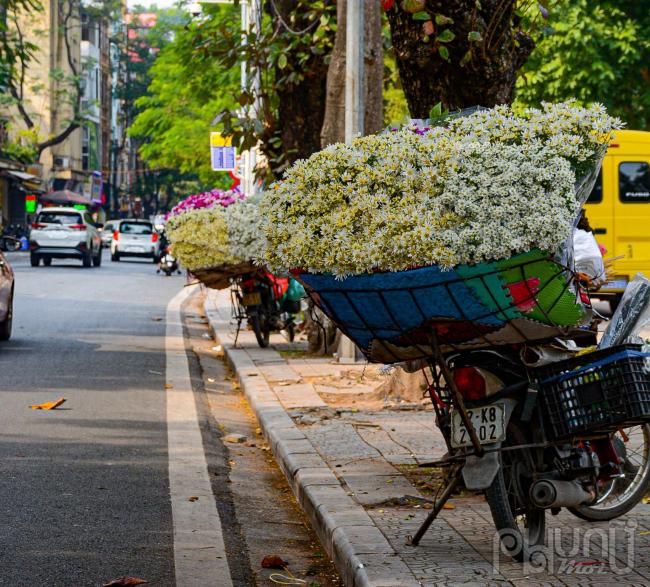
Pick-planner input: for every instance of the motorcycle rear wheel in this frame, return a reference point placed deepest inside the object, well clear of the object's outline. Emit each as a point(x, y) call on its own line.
point(261, 327)
point(620, 495)
point(521, 525)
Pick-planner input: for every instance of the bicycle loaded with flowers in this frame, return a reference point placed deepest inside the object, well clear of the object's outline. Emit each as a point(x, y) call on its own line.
point(449, 247)
point(216, 235)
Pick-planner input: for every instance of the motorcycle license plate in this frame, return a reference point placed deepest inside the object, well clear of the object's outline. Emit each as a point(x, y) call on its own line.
point(252, 299)
point(488, 421)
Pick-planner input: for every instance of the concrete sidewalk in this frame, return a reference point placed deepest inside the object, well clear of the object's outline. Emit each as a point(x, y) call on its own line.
point(354, 472)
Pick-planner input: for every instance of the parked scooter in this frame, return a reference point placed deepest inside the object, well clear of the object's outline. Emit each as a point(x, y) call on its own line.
point(517, 458)
point(268, 303)
point(168, 263)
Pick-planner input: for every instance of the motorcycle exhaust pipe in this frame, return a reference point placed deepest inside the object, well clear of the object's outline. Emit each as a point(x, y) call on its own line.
point(547, 494)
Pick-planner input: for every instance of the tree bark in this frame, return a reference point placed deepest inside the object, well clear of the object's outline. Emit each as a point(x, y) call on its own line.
point(301, 104)
point(373, 68)
point(334, 122)
point(322, 336)
point(486, 79)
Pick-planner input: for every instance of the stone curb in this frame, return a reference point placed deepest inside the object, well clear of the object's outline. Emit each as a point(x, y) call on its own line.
point(358, 548)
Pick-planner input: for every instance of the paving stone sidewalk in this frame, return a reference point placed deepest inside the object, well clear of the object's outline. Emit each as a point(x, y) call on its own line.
point(350, 469)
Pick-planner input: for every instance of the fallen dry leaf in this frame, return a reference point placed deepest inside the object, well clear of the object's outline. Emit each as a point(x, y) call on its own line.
point(48, 405)
point(273, 561)
point(193, 498)
point(168, 386)
point(646, 500)
point(449, 506)
point(125, 582)
point(155, 319)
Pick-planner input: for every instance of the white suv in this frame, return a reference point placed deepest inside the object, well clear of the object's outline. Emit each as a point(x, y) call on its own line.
point(61, 233)
point(135, 238)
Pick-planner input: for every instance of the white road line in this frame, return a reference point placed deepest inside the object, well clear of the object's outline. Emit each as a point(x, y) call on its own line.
point(199, 549)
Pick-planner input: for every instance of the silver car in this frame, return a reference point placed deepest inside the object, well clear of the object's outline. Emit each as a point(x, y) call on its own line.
point(107, 232)
point(135, 238)
point(62, 233)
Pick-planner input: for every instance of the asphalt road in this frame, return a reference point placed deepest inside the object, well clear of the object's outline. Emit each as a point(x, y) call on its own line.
point(84, 490)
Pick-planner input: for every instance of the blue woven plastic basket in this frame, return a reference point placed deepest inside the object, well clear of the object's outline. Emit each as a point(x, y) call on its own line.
point(391, 315)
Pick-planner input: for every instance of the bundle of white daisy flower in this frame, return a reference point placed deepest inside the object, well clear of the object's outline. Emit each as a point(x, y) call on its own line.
point(480, 187)
point(211, 237)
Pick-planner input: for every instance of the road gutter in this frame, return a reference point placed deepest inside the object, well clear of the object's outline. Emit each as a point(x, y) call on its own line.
point(199, 548)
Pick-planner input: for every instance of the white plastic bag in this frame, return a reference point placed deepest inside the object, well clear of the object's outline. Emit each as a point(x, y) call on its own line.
point(587, 257)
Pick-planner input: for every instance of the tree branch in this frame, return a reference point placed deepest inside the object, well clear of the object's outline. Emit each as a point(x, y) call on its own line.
point(58, 139)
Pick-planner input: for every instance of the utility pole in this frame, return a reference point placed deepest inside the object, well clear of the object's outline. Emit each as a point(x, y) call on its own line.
point(251, 19)
point(354, 110)
point(354, 74)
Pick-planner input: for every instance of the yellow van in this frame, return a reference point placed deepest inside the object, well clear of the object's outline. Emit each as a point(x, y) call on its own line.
point(618, 208)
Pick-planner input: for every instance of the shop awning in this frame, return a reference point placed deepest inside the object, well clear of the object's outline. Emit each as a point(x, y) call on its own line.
point(22, 175)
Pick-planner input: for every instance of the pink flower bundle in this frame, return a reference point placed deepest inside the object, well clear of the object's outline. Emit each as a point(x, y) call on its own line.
point(210, 199)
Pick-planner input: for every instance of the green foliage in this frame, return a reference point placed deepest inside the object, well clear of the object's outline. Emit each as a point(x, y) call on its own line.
point(595, 52)
point(150, 113)
point(141, 53)
point(395, 106)
point(288, 51)
point(23, 147)
point(448, 36)
point(174, 117)
point(14, 49)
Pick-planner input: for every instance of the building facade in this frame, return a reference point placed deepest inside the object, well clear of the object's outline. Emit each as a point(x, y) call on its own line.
point(66, 99)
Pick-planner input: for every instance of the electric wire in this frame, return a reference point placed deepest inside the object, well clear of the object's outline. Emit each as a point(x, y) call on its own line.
point(287, 27)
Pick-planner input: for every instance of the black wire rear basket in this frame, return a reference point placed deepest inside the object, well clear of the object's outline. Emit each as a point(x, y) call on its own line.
point(392, 316)
point(596, 392)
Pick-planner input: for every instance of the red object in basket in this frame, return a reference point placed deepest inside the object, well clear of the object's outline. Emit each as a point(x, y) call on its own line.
point(523, 293)
point(278, 284)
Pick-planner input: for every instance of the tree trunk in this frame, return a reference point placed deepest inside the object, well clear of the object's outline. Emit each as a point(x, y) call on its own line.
point(322, 336)
point(373, 68)
point(481, 72)
point(334, 124)
point(301, 104)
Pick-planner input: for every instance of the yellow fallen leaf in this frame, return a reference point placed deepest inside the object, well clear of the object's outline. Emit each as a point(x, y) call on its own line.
point(449, 506)
point(168, 386)
point(193, 498)
point(644, 533)
point(48, 405)
point(646, 499)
